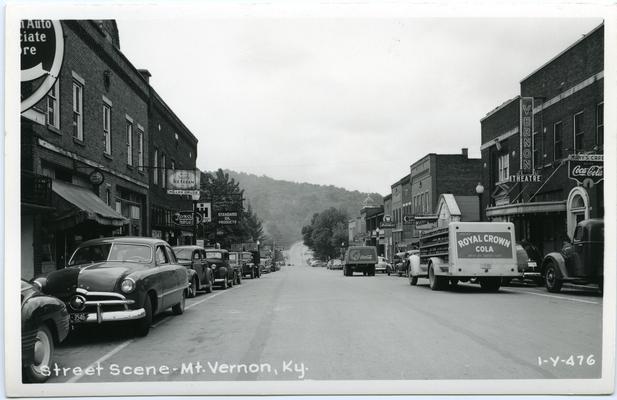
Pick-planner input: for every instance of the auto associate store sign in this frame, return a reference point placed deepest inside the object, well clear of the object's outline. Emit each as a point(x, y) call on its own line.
point(42, 51)
point(484, 244)
point(183, 181)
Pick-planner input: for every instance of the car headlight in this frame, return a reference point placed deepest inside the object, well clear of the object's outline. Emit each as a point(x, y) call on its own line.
point(127, 285)
point(39, 283)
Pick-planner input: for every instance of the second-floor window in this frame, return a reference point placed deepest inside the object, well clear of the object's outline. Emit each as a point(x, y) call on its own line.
point(107, 127)
point(140, 149)
point(536, 150)
point(78, 119)
point(600, 124)
point(163, 171)
point(503, 168)
point(558, 141)
point(155, 172)
point(578, 132)
point(53, 108)
point(129, 143)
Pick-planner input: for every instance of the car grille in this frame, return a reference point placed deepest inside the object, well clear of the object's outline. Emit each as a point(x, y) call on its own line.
point(107, 301)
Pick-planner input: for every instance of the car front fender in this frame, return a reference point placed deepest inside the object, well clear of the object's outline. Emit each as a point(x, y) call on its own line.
point(558, 260)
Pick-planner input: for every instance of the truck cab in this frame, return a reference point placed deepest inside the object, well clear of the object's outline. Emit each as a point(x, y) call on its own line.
point(580, 261)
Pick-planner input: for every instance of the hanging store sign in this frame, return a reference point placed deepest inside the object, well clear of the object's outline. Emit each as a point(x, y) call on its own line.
point(185, 218)
point(42, 51)
point(586, 169)
point(183, 181)
point(206, 211)
point(525, 129)
point(387, 223)
point(409, 220)
point(526, 178)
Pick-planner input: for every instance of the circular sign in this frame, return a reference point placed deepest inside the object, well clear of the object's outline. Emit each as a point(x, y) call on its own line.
point(42, 51)
point(96, 177)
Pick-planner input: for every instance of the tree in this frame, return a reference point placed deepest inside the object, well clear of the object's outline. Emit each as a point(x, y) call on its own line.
point(326, 232)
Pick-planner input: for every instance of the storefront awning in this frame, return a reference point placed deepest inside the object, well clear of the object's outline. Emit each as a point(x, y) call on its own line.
point(76, 204)
point(526, 208)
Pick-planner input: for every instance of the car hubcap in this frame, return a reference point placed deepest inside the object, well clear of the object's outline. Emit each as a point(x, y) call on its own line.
point(42, 350)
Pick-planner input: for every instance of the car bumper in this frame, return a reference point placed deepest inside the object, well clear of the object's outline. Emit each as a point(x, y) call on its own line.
point(100, 316)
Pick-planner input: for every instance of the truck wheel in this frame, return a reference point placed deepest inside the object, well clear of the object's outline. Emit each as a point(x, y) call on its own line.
point(506, 281)
point(225, 284)
point(435, 282)
point(413, 280)
point(231, 281)
point(490, 284)
point(551, 277)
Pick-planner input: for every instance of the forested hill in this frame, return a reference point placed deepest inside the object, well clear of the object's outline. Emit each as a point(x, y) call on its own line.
point(285, 207)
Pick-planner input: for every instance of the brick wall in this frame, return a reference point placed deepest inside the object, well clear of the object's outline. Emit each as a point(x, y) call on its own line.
point(457, 174)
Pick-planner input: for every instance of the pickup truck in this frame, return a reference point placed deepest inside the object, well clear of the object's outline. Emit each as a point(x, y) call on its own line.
point(484, 251)
point(580, 261)
point(360, 259)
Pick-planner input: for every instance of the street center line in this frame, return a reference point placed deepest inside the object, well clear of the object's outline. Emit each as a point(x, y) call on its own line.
point(125, 344)
point(553, 296)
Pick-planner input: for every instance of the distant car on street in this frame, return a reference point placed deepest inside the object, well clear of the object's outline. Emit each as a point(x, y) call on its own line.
point(236, 262)
point(201, 276)
point(360, 259)
point(250, 264)
point(224, 274)
point(336, 264)
point(580, 261)
point(119, 279)
point(44, 324)
point(382, 265)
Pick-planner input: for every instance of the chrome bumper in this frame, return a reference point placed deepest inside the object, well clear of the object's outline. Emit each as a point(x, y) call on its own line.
point(111, 316)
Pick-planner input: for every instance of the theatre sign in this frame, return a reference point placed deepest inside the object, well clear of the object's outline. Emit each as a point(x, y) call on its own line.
point(42, 51)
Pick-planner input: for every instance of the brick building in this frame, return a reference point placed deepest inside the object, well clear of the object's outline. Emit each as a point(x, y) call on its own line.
point(388, 238)
point(85, 151)
point(401, 206)
point(172, 146)
point(371, 216)
point(436, 174)
point(568, 111)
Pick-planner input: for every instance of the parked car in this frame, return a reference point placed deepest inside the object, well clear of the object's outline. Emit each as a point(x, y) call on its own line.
point(224, 274)
point(382, 265)
point(527, 260)
point(264, 266)
point(119, 279)
point(250, 265)
point(44, 324)
point(201, 276)
point(402, 268)
point(337, 264)
point(580, 261)
point(235, 262)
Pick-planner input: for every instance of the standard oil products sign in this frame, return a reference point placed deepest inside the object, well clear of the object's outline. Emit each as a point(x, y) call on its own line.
point(42, 51)
point(484, 244)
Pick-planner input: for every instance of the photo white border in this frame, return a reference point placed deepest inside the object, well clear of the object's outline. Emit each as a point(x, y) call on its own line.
point(280, 9)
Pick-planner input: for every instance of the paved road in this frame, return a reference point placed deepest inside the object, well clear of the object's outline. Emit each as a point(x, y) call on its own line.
point(312, 323)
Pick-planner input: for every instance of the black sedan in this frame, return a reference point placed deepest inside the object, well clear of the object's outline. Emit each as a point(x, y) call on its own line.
point(126, 279)
point(44, 323)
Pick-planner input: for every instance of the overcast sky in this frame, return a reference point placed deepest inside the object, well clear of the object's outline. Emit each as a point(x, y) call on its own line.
point(347, 102)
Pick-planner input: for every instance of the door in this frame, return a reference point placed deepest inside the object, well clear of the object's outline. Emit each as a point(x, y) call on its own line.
point(576, 265)
point(165, 276)
point(198, 265)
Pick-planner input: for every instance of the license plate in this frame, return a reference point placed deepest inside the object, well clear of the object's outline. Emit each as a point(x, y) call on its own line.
point(532, 264)
point(78, 317)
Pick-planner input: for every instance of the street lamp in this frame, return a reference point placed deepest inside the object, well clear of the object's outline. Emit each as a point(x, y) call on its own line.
point(195, 197)
point(479, 191)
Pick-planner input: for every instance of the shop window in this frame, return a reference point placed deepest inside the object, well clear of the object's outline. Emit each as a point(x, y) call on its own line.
point(163, 171)
point(557, 140)
point(600, 124)
point(108, 197)
point(53, 108)
point(107, 127)
point(135, 212)
point(155, 172)
point(78, 121)
point(578, 132)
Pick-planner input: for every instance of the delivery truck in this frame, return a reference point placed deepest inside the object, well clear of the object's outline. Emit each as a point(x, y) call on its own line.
point(460, 251)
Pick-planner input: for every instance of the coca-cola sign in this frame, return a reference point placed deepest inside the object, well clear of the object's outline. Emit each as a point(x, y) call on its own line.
point(586, 172)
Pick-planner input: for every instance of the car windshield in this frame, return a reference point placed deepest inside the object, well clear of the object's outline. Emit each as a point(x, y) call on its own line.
point(111, 252)
point(214, 254)
point(183, 253)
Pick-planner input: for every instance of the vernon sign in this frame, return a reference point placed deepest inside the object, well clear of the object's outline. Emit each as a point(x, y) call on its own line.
point(42, 51)
point(526, 127)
